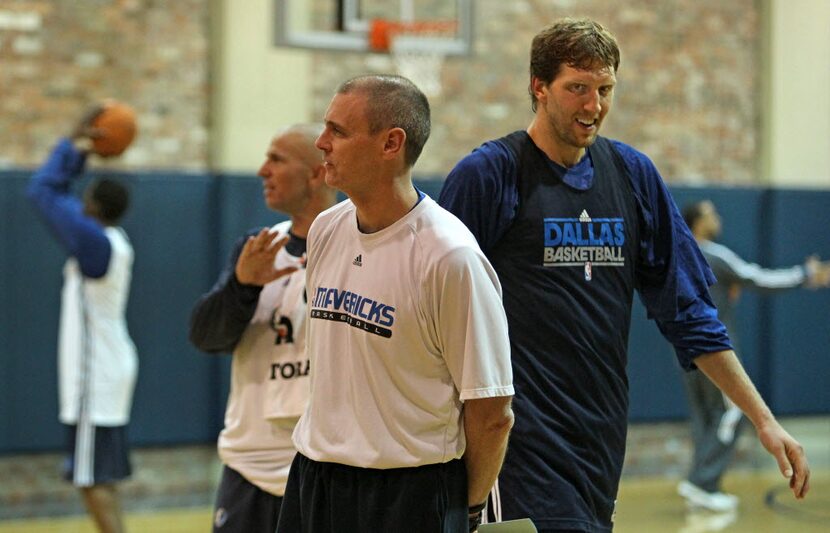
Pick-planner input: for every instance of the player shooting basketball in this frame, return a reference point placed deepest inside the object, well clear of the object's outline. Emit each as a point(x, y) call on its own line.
point(97, 359)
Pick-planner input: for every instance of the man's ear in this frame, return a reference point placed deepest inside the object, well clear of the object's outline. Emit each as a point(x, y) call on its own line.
point(539, 89)
point(92, 209)
point(394, 145)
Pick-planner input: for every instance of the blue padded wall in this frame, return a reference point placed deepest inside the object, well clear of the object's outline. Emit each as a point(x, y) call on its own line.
point(30, 283)
point(172, 226)
point(798, 358)
point(183, 226)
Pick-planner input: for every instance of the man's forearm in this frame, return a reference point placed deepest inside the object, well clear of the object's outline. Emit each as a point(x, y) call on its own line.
point(487, 424)
point(726, 371)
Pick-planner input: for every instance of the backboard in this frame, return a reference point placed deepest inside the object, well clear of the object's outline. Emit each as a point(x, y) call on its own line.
point(346, 24)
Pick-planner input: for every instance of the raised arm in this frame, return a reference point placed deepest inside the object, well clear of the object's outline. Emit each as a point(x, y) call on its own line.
point(732, 269)
point(220, 316)
point(49, 192)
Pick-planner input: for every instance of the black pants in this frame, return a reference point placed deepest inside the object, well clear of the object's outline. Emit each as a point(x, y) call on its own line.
point(329, 497)
point(242, 507)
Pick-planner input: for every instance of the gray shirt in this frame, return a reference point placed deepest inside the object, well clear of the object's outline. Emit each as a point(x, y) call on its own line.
point(733, 273)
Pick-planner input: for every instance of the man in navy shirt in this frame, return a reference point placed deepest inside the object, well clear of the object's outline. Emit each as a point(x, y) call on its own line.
point(574, 223)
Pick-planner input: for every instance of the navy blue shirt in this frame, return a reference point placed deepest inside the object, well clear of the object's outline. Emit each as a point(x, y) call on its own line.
point(220, 316)
point(571, 246)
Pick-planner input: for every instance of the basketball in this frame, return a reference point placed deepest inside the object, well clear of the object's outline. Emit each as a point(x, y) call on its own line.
point(117, 127)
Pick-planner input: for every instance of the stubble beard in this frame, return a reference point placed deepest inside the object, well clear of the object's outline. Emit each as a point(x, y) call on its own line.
point(568, 138)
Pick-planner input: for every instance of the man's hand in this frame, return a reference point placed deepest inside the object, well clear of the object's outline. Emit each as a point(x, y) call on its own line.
point(792, 461)
point(83, 133)
point(823, 275)
point(255, 265)
point(818, 273)
point(725, 371)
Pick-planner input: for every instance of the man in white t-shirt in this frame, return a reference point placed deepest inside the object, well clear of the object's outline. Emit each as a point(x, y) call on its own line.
point(257, 310)
point(409, 412)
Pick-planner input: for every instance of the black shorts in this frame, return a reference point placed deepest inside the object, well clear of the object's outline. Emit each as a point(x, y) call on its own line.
point(97, 455)
point(328, 497)
point(242, 507)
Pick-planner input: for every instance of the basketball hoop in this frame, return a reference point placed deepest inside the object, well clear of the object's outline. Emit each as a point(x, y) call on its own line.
point(416, 49)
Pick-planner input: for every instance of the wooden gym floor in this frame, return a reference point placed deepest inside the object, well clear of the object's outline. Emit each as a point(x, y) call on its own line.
point(648, 503)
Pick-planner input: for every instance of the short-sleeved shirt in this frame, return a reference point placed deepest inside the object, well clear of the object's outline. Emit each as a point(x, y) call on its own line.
point(405, 324)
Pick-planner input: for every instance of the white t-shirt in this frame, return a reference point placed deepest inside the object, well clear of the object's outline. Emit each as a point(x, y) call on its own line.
point(404, 325)
point(97, 361)
point(269, 381)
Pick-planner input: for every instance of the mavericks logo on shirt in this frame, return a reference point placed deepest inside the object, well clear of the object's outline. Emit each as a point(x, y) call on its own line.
point(353, 309)
point(584, 242)
point(283, 327)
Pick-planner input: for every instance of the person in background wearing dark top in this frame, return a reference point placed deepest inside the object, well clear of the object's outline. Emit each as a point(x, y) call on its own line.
point(257, 310)
point(574, 223)
point(97, 361)
point(716, 420)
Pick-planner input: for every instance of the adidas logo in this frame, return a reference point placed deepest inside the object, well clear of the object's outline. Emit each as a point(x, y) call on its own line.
point(358, 261)
point(583, 217)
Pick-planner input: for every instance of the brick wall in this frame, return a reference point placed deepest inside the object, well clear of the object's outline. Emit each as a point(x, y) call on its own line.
point(58, 56)
point(688, 85)
point(688, 92)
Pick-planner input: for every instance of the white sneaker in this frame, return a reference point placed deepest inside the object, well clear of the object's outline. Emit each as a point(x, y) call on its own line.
point(728, 424)
point(702, 521)
point(713, 501)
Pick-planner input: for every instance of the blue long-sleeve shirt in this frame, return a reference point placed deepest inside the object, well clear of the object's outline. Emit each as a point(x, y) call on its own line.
point(49, 191)
point(571, 246)
point(673, 277)
point(220, 316)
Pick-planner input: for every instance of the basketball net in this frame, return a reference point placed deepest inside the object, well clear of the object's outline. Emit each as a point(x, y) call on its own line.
point(412, 46)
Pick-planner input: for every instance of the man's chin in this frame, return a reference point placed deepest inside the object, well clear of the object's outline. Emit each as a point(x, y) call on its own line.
point(583, 141)
point(591, 139)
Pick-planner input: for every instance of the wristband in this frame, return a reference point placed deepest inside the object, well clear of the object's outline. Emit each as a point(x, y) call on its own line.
point(474, 515)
